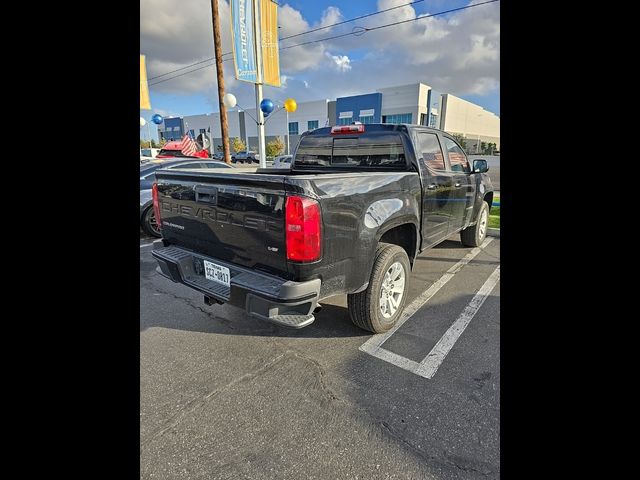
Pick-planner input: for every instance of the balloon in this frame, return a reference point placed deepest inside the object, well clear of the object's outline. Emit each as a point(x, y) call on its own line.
point(142, 122)
point(266, 106)
point(290, 105)
point(229, 100)
point(157, 119)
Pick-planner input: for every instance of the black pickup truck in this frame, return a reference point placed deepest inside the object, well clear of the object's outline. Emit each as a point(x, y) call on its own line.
point(357, 206)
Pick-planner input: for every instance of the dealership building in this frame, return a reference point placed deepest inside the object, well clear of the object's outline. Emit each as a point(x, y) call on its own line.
point(416, 104)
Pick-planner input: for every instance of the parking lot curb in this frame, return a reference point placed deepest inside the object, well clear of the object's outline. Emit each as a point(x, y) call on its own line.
point(493, 232)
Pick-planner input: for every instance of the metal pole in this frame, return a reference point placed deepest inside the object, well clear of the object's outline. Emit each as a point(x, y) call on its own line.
point(149, 130)
point(260, 115)
point(217, 42)
point(287, 131)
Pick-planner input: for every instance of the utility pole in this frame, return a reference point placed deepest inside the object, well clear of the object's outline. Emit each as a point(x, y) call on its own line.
point(217, 42)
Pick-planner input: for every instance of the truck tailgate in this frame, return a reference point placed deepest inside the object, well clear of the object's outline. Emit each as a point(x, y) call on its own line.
point(237, 217)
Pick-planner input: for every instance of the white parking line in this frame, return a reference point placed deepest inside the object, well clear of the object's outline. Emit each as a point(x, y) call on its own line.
point(373, 346)
point(429, 366)
point(145, 245)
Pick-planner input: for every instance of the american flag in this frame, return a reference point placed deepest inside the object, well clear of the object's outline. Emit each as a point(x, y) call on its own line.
point(188, 146)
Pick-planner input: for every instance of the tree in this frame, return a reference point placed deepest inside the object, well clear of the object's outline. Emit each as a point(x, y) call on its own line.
point(163, 142)
point(275, 147)
point(238, 145)
point(461, 139)
point(483, 147)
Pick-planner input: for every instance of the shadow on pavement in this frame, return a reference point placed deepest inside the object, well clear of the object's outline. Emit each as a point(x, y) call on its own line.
point(331, 322)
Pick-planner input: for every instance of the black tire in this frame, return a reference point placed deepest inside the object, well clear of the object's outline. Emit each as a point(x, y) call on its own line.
point(474, 235)
point(148, 223)
point(364, 307)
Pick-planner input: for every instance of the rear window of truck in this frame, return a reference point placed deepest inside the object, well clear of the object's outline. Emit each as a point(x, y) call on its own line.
point(383, 151)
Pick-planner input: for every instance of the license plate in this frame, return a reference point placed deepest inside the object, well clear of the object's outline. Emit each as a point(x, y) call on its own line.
point(217, 273)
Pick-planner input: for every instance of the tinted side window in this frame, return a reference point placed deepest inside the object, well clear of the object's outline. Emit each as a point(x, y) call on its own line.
point(431, 151)
point(151, 177)
point(188, 165)
point(216, 165)
point(457, 158)
point(314, 151)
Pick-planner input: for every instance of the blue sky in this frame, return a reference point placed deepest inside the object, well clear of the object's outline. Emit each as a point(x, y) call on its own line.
point(456, 53)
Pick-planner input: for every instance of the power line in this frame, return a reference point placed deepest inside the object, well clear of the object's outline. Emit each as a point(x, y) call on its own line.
point(292, 36)
point(328, 38)
point(388, 25)
point(351, 20)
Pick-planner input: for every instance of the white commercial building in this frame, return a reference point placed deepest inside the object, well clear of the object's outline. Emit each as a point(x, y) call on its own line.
point(415, 103)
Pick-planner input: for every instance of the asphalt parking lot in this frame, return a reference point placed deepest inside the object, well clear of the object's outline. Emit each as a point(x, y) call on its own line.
point(224, 396)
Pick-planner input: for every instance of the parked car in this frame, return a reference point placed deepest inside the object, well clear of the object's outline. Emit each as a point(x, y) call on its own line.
point(245, 157)
point(147, 177)
point(218, 156)
point(174, 149)
point(357, 207)
point(283, 161)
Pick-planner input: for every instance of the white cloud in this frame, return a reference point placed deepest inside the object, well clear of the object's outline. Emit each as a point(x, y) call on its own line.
point(459, 53)
point(330, 16)
point(341, 62)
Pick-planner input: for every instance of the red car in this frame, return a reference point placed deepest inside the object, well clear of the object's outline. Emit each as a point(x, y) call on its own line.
point(174, 149)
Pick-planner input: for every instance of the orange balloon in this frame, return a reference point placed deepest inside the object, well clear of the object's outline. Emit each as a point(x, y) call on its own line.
point(290, 105)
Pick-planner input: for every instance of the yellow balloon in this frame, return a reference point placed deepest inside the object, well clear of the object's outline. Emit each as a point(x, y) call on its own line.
point(290, 105)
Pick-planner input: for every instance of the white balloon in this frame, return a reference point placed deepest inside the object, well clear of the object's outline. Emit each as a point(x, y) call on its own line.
point(229, 100)
point(143, 122)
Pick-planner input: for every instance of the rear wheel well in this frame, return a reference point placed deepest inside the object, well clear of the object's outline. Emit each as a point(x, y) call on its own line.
point(405, 237)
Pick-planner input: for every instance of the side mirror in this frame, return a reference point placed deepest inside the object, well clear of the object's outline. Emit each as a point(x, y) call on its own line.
point(480, 166)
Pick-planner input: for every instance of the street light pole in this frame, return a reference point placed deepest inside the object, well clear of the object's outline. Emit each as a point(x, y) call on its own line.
point(287, 131)
point(259, 113)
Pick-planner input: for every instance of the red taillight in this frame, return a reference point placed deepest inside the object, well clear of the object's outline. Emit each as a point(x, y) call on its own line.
point(302, 226)
point(341, 129)
point(156, 204)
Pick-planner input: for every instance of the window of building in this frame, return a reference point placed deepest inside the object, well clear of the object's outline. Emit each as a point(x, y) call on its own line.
point(293, 128)
point(192, 133)
point(457, 158)
point(366, 119)
point(203, 131)
point(345, 121)
point(397, 118)
point(431, 151)
point(312, 124)
point(433, 121)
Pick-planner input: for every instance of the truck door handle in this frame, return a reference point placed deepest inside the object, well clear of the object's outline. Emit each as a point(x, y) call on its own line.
point(458, 184)
point(432, 186)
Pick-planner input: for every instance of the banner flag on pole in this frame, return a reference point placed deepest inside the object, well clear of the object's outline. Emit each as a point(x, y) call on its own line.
point(145, 103)
point(269, 31)
point(242, 39)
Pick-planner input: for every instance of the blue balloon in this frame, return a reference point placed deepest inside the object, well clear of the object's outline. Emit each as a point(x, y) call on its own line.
point(266, 106)
point(157, 119)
